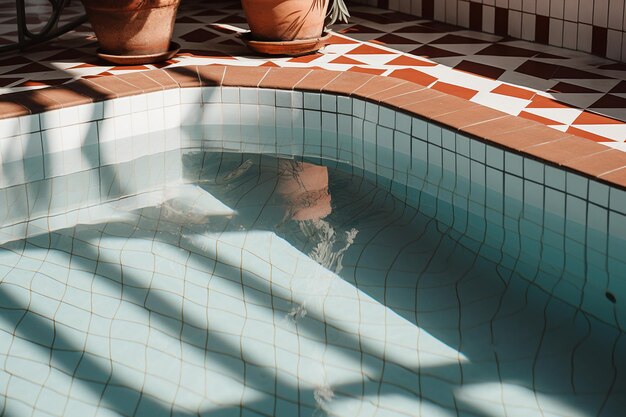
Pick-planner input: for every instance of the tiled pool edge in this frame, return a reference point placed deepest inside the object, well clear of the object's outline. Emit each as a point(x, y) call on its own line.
point(516, 134)
point(579, 202)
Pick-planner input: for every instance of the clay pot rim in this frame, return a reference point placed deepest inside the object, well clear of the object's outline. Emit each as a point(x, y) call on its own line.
point(129, 6)
point(295, 47)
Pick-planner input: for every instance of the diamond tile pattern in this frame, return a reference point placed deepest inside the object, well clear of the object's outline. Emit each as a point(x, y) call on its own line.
point(376, 42)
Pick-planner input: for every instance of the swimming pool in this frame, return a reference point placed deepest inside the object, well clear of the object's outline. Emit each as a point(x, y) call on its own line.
point(266, 252)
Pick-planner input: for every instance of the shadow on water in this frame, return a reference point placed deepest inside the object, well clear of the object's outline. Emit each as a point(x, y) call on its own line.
point(508, 330)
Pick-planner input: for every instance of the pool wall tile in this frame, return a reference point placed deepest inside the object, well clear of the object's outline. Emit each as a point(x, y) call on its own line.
point(465, 182)
point(27, 124)
point(247, 95)
point(312, 101)
point(344, 105)
point(329, 103)
point(47, 120)
point(495, 157)
point(617, 200)
point(154, 100)
point(230, 95)
point(358, 108)
point(9, 127)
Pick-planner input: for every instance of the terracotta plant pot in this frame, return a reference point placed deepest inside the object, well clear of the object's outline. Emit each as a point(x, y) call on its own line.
point(132, 27)
point(285, 20)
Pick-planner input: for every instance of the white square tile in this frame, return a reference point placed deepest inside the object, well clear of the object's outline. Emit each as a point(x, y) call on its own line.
point(528, 26)
point(139, 123)
point(513, 163)
point(312, 101)
point(230, 95)
point(211, 94)
point(90, 112)
point(267, 115)
point(329, 103)
point(387, 117)
point(571, 10)
point(601, 13)
point(106, 130)
point(31, 145)
point(618, 200)
point(555, 177)
point(155, 100)
point(172, 117)
point(403, 122)
point(171, 97)
point(614, 45)
point(248, 95)
point(267, 96)
point(533, 170)
point(121, 106)
point(599, 193)
point(489, 19)
point(451, 12)
point(416, 7)
point(419, 129)
point(555, 36)
point(139, 103)
point(543, 8)
point(358, 108)
point(434, 134)
point(297, 99)
point(156, 120)
point(515, 24)
point(344, 105)
point(249, 114)
point(27, 124)
point(440, 11)
point(48, 120)
point(584, 37)
point(570, 35)
point(384, 147)
point(495, 157)
point(371, 112)
point(71, 137)
point(463, 14)
point(448, 139)
point(312, 120)
point(123, 124)
point(528, 6)
point(577, 185)
point(52, 140)
point(283, 117)
point(557, 8)
point(283, 98)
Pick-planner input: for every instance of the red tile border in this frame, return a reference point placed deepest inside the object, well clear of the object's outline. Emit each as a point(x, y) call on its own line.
point(518, 134)
point(284, 78)
point(347, 82)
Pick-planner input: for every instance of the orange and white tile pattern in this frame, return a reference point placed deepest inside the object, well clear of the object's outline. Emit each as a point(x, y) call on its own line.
point(570, 91)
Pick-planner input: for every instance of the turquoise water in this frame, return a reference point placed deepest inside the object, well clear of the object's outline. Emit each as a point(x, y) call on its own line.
point(279, 287)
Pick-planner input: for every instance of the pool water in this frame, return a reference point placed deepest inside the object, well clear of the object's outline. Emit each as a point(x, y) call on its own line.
point(262, 286)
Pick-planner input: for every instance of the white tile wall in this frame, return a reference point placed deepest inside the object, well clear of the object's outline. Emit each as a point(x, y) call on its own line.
point(565, 15)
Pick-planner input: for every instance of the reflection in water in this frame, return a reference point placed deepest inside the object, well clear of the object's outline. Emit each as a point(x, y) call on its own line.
point(304, 188)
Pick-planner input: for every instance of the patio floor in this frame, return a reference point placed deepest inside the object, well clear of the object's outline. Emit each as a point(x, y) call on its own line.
point(567, 90)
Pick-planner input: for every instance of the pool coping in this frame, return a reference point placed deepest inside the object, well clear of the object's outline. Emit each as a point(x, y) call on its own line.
point(516, 134)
